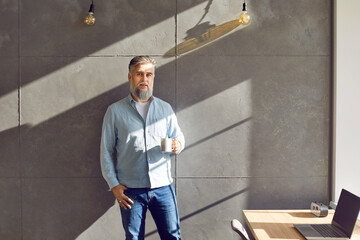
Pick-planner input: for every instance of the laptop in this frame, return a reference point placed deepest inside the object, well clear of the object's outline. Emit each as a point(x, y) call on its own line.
point(343, 222)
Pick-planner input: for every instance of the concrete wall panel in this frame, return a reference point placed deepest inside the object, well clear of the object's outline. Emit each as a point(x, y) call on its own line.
point(208, 205)
point(291, 104)
point(61, 208)
point(63, 112)
point(286, 192)
point(9, 120)
point(122, 27)
point(10, 211)
point(9, 28)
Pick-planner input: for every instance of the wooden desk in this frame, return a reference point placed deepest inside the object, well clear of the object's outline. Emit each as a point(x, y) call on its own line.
point(278, 224)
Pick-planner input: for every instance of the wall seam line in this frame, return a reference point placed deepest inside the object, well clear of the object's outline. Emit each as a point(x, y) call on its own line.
point(176, 85)
point(19, 123)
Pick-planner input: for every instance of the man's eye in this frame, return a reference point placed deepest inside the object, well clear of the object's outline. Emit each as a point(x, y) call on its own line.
point(149, 74)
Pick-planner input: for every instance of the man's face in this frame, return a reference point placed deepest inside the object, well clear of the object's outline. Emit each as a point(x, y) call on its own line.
point(141, 81)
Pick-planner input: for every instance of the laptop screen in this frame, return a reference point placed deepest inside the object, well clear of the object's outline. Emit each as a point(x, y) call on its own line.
point(347, 212)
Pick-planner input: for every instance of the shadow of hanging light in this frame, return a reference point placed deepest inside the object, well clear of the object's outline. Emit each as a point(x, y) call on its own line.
point(212, 33)
point(90, 18)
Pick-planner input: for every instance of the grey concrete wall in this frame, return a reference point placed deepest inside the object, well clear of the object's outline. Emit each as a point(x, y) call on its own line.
point(254, 105)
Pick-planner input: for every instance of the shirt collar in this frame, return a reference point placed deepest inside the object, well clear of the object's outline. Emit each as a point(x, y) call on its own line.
point(132, 100)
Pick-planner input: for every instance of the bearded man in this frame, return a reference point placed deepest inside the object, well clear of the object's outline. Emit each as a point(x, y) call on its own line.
point(139, 174)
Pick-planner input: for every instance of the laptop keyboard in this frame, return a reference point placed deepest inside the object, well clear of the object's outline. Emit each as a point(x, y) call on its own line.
point(328, 230)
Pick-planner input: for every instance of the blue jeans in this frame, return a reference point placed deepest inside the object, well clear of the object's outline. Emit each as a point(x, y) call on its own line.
point(163, 208)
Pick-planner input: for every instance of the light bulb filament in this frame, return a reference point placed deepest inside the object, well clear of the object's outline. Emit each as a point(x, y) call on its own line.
point(90, 18)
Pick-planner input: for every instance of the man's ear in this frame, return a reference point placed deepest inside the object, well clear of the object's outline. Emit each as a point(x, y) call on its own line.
point(129, 77)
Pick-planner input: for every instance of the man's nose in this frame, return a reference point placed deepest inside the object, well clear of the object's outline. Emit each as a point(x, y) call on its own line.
point(145, 78)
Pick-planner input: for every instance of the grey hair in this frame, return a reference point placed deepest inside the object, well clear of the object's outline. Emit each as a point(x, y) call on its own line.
point(140, 60)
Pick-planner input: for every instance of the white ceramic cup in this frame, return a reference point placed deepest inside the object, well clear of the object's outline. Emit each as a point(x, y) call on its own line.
point(166, 145)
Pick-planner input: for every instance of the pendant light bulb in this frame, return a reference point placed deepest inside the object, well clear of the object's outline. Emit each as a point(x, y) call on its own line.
point(244, 17)
point(90, 18)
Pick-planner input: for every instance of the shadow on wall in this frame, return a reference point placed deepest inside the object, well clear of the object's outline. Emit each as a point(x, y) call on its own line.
point(67, 145)
point(102, 229)
point(64, 150)
point(70, 38)
point(202, 35)
point(212, 205)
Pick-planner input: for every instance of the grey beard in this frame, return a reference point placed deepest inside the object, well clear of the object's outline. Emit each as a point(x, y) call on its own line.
point(142, 95)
